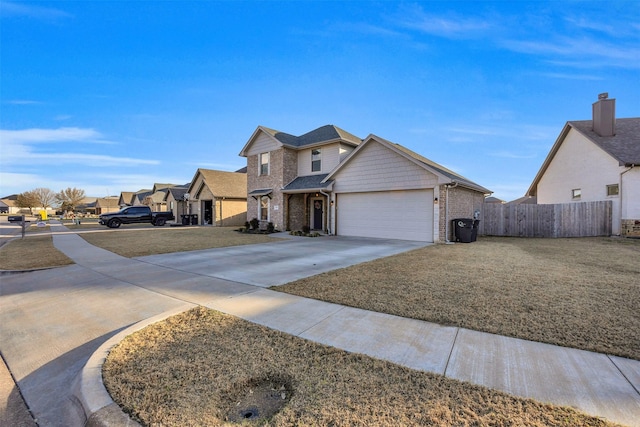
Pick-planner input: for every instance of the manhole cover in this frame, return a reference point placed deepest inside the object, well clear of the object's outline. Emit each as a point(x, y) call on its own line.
point(258, 400)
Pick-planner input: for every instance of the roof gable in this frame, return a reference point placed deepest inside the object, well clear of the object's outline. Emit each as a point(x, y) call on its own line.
point(447, 175)
point(323, 135)
point(221, 183)
point(624, 146)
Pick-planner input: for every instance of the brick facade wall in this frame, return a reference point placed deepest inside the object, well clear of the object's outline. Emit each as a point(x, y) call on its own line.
point(462, 204)
point(297, 212)
point(283, 168)
point(630, 227)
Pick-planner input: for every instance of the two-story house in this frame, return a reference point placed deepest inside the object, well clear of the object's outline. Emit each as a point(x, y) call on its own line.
point(285, 175)
point(594, 160)
point(332, 181)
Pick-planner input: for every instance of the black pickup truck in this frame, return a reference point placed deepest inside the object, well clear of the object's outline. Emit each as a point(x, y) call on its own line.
point(135, 214)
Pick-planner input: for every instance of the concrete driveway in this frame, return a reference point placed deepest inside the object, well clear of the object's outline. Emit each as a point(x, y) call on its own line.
point(270, 264)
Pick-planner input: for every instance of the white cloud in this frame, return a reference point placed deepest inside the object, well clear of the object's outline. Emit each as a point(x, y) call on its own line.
point(49, 135)
point(23, 102)
point(571, 76)
point(511, 155)
point(20, 148)
point(452, 26)
point(511, 131)
point(13, 9)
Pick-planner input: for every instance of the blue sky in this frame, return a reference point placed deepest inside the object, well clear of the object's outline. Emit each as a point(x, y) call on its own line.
point(112, 96)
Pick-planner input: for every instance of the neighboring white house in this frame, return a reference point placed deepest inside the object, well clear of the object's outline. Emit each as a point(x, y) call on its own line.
point(594, 160)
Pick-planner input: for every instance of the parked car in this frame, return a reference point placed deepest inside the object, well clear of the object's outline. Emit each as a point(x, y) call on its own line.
point(135, 214)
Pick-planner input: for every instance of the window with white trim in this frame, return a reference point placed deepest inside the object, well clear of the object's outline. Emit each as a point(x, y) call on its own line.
point(613, 190)
point(264, 164)
point(264, 208)
point(576, 193)
point(316, 160)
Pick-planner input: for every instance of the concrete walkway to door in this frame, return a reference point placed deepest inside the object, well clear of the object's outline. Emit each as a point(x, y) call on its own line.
point(55, 320)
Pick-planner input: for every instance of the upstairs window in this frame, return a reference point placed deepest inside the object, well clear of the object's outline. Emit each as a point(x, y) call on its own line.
point(576, 193)
point(613, 190)
point(264, 164)
point(316, 160)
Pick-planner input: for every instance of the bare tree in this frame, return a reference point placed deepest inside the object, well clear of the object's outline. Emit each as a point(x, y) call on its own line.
point(45, 197)
point(70, 198)
point(28, 199)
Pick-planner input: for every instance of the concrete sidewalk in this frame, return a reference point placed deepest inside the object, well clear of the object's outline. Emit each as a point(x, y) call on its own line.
point(55, 320)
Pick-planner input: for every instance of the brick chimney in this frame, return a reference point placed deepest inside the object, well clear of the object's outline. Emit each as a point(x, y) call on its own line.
point(604, 115)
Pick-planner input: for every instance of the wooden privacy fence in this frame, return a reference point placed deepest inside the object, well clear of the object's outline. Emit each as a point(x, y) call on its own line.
point(582, 219)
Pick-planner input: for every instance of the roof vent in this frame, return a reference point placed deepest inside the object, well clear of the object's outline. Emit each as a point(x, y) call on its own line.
point(604, 115)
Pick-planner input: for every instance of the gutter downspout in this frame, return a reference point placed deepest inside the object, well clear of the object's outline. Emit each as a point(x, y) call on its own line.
point(621, 193)
point(446, 210)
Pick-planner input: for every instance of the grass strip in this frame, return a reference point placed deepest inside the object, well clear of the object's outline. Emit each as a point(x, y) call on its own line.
point(201, 367)
point(31, 253)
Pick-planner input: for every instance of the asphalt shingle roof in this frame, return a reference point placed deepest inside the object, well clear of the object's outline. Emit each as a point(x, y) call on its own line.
point(624, 146)
point(225, 184)
point(178, 192)
point(317, 136)
point(310, 182)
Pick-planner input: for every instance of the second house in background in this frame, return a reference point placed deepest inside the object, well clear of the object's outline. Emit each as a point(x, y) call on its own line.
point(217, 198)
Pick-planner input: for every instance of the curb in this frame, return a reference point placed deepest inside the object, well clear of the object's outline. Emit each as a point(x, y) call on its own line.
point(9, 272)
point(89, 391)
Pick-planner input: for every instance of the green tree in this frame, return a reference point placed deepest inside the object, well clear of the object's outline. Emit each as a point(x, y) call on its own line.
point(28, 199)
point(70, 198)
point(45, 197)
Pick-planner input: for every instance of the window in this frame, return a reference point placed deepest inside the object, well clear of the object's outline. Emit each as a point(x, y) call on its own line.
point(264, 164)
point(613, 190)
point(316, 160)
point(576, 193)
point(264, 208)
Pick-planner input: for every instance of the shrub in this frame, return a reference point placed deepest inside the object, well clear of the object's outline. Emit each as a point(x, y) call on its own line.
point(270, 228)
point(254, 223)
point(306, 229)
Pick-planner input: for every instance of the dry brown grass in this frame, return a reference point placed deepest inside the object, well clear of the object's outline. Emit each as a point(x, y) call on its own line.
point(580, 293)
point(161, 240)
point(194, 368)
point(31, 253)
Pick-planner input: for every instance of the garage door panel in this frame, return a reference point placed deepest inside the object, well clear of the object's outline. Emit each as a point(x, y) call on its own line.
point(406, 215)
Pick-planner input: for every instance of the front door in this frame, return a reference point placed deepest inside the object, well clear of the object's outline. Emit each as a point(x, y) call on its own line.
point(317, 213)
point(208, 212)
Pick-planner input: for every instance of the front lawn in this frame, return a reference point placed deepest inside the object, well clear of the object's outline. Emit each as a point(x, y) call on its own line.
point(580, 293)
